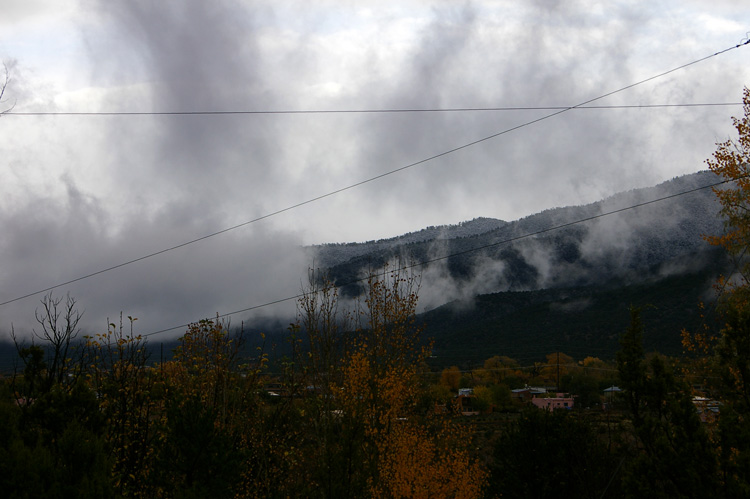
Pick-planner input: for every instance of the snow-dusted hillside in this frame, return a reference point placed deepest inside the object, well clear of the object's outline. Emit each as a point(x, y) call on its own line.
point(559, 247)
point(329, 255)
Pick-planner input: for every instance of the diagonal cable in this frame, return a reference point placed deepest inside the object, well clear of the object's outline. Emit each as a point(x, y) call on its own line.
point(360, 111)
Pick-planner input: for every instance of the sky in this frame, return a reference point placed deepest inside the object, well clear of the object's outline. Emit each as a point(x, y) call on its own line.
point(79, 194)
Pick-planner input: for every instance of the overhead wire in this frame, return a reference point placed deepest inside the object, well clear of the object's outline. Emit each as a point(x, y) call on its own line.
point(371, 179)
point(361, 111)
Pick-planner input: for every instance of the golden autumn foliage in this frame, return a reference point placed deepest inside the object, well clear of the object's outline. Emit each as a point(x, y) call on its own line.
point(380, 369)
point(731, 162)
point(557, 366)
point(206, 366)
point(166, 422)
point(725, 357)
point(416, 464)
point(499, 367)
point(119, 373)
point(378, 398)
point(451, 378)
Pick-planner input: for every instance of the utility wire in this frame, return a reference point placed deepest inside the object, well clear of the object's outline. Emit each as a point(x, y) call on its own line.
point(372, 179)
point(359, 111)
point(478, 248)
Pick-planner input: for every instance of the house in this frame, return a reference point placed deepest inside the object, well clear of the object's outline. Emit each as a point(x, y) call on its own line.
point(707, 408)
point(465, 405)
point(527, 393)
point(560, 401)
point(610, 392)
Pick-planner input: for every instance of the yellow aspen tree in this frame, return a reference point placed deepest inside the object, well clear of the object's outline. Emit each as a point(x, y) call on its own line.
point(450, 378)
point(119, 374)
point(403, 454)
point(731, 162)
point(731, 347)
point(556, 367)
point(416, 464)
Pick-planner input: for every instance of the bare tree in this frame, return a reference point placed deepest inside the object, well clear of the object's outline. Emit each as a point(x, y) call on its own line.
point(322, 322)
point(3, 87)
point(59, 321)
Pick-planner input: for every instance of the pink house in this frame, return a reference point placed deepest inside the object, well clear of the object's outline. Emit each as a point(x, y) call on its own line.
point(551, 403)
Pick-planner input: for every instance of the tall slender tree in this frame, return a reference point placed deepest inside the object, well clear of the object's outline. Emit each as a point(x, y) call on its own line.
point(731, 162)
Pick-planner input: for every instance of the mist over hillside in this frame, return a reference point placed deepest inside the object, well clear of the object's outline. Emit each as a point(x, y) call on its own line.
point(550, 249)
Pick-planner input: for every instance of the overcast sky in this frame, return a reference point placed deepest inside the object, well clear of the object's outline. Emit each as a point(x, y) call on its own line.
point(82, 193)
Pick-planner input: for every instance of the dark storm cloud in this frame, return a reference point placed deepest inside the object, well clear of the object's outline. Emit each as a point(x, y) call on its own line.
point(53, 242)
point(200, 56)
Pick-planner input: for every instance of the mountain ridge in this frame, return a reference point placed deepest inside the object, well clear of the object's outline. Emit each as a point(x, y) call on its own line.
point(551, 248)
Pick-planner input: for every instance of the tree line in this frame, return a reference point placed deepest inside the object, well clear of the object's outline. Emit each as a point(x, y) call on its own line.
point(346, 417)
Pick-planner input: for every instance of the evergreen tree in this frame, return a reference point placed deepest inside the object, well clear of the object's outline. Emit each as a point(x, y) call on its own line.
point(673, 456)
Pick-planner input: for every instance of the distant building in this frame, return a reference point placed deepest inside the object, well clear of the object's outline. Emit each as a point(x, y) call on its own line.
point(466, 405)
point(527, 393)
point(708, 409)
point(610, 392)
point(560, 401)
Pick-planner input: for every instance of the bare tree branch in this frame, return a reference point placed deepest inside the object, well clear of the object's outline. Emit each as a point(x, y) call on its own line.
point(59, 321)
point(3, 87)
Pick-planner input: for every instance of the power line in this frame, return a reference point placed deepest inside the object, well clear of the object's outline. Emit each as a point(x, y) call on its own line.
point(372, 179)
point(360, 111)
point(478, 248)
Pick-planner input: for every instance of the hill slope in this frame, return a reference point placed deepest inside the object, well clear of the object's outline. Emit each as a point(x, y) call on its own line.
point(580, 321)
